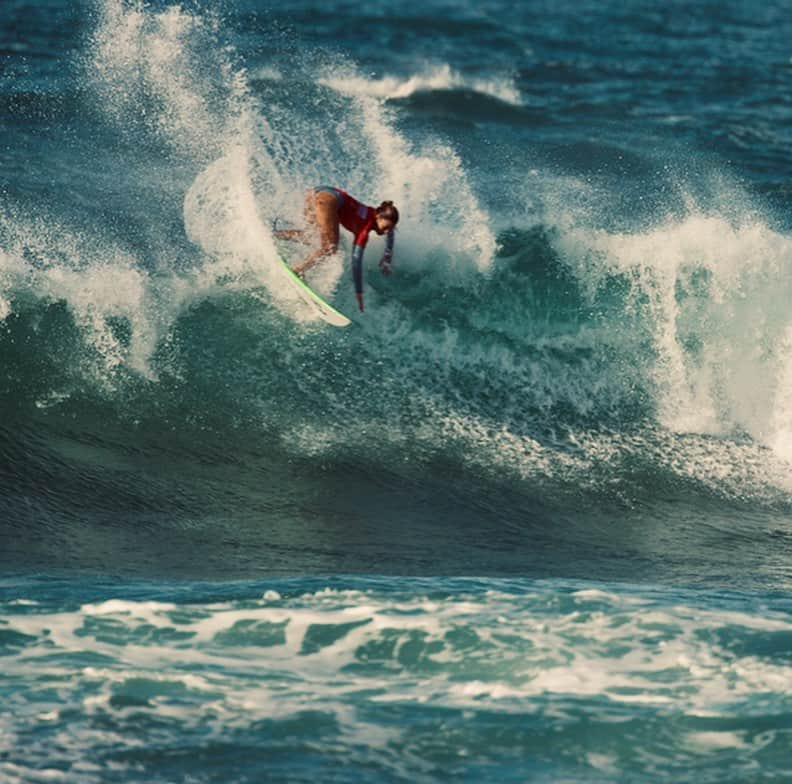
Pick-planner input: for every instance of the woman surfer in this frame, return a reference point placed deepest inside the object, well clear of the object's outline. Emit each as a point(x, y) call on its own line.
point(328, 208)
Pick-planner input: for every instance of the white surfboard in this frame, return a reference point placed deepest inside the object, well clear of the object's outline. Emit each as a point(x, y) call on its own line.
point(325, 311)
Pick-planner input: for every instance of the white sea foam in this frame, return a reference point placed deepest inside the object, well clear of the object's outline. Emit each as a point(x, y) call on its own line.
point(432, 77)
point(657, 638)
point(150, 611)
point(344, 652)
point(716, 295)
point(101, 282)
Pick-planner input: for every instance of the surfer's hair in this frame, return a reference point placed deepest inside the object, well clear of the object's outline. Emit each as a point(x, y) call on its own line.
point(387, 210)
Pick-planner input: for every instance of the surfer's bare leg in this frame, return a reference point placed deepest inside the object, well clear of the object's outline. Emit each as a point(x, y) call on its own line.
point(308, 234)
point(323, 209)
point(293, 235)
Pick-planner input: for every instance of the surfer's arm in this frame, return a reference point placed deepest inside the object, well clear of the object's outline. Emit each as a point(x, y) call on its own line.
point(357, 272)
point(387, 256)
point(327, 249)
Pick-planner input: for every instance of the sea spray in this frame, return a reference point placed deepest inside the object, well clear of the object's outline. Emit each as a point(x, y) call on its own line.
point(714, 294)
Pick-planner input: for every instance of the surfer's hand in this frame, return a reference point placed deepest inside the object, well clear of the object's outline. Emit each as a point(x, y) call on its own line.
point(385, 265)
point(360, 301)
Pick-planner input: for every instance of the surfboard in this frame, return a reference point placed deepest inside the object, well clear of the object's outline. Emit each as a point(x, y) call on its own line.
point(325, 311)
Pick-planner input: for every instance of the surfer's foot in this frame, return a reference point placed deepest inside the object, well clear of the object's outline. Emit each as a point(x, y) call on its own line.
point(299, 272)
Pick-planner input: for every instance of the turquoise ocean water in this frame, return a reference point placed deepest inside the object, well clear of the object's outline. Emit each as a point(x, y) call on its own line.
point(529, 518)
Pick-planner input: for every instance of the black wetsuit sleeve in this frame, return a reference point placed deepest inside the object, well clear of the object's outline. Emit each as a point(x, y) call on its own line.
point(388, 255)
point(357, 267)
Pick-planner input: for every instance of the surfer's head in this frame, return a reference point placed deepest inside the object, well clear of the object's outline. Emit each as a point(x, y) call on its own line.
point(387, 217)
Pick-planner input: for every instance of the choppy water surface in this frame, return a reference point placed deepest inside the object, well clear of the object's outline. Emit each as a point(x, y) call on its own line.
point(393, 680)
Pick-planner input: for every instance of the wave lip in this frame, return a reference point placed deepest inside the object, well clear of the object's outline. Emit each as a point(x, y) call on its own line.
point(714, 292)
point(433, 78)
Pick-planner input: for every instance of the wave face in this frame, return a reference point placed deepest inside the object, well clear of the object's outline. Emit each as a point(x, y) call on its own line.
point(583, 360)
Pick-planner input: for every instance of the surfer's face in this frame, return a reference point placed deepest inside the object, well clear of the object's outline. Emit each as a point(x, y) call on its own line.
point(384, 225)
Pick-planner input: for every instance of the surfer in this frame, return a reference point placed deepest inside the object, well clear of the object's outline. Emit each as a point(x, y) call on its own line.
point(328, 208)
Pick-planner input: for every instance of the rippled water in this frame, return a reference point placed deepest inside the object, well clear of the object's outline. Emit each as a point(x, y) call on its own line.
point(394, 680)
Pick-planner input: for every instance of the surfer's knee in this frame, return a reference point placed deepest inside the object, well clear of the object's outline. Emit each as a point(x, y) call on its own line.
point(328, 237)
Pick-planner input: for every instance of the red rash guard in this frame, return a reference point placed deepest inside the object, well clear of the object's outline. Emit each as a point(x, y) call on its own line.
point(361, 220)
point(357, 218)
